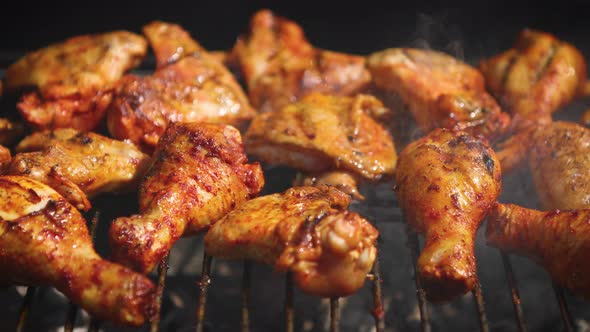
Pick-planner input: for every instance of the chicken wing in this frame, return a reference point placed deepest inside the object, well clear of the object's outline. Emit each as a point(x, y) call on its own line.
point(73, 78)
point(535, 77)
point(557, 240)
point(280, 66)
point(79, 165)
point(439, 91)
point(342, 180)
point(445, 184)
point(559, 160)
point(306, 230)
point(44, 241)
point(199, 173)
point(189, 86)
point(323, 133)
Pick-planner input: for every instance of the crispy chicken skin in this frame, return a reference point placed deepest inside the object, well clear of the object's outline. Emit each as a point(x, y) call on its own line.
point(445, 184)
point(44, 241)
point(79, 165)
point(535, 77)
point(306, 230)
point(188, 86)
point(342, 180)
point(199, 173)
point(73, 78)
point(557, 240)
point(4, 159)
point(558, 157)
point(280, 66)
point(439, 91)
point(322, 133)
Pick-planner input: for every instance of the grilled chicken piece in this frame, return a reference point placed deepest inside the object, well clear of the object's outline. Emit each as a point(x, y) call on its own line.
point(439, 91)
point(280, 66)
point(557, 240)
point(79, 165)
point(44, 241)
point(199, 173)
point(342, 180)
point(4, 159)
point(445, 184)
point(535, 77)
point(74, 78)
point(325, 133)
point(189, 85)
point(558, 157)
point(306, 230)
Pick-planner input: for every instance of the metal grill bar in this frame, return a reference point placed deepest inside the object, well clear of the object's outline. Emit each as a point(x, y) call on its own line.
point(204, 288)
point(563, 309)
point(518, 313)
point(162, 271)
point(245, 318)
point(480, 306)
point(334, 315)
point(71, 317)
point(378, 311)
point(25, 308)
point(414, 247)
point(289, 313)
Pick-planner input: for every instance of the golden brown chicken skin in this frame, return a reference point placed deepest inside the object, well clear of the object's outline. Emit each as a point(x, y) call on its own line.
point(445, 184)
point(44, 241)
point(439, 91)
point(559, 161)
point(535, 77)
point(344, 181)
point(73, 78)
point(557, 240)
point(188, 86)
point(79, 165)
point(199, 173)
point(305, 230)
point(280, 66)
point(323, 133)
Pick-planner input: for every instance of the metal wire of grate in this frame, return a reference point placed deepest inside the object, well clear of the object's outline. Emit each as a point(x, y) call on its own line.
point(289, 319)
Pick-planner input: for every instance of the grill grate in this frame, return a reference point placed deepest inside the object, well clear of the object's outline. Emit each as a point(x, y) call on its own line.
point(375, 277)
point(518, 314)
point(245, 318)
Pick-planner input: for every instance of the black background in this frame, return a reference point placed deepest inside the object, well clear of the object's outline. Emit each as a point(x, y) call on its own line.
point(469, 29)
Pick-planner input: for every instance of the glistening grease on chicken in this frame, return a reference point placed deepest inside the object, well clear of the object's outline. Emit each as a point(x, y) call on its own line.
point(305, 230)
point(44, 241)
point(74, 79)
point(445, 184)
point(439, 91)
point(189, 85)
point(535, 77)
point(199, 173)
point(79, 165)
point(4, 159)
point(557, 240)
point(322, 134)
point(280, 66)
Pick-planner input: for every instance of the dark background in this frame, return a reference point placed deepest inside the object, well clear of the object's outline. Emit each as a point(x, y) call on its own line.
point(472, 29)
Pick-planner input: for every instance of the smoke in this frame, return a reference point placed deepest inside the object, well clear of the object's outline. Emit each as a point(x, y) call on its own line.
point(436, 32)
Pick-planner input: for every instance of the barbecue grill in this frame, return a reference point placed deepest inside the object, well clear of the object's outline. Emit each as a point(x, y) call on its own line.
point(203, 294)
